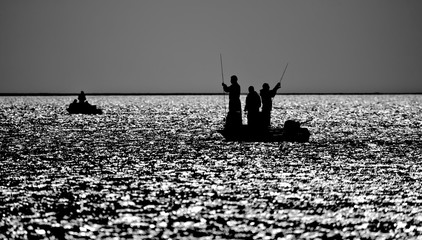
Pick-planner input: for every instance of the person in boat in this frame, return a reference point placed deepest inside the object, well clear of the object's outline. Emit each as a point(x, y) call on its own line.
point(234, 116)
point(267, 102)
point(82, 97)
point(253, 103)
point(73, 105)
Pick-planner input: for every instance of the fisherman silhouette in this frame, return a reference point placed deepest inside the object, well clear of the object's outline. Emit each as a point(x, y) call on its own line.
point(253, 103)
point(234, 116)
point(267, 102)
point(82, 97)
point(73, 104)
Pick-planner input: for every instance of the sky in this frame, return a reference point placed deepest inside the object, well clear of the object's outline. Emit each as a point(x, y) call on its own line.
point(174, 46)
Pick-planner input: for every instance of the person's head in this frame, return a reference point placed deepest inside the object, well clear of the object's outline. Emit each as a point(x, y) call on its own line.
point(233, 79)
point(251, 89)
point(75, 101)
point(82, 92)
point(265, 86)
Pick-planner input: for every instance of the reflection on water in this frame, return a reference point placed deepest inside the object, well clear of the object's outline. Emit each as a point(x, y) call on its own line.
point(154, 167)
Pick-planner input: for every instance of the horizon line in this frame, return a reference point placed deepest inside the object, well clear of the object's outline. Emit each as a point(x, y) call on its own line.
point(199, 93)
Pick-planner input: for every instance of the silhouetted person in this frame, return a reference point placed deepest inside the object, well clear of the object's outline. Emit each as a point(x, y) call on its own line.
point(253, 103)
point(73, 104)
point(234, 116)
point(82, 97)
point(267, 102)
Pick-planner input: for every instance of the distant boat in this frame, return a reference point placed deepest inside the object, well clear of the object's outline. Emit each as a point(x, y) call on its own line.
point(291, 132)
point(83, 108)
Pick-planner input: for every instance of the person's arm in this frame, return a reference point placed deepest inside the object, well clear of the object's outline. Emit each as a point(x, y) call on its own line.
point(274, 91)
point(225, 88)
point(276, 87)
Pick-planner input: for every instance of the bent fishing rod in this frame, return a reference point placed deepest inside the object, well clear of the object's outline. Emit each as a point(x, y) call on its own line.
point(283, 72)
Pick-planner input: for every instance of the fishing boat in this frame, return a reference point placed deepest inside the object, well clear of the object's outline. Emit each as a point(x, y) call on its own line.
point(235, 131)
point(290, 132)
point(81, 106)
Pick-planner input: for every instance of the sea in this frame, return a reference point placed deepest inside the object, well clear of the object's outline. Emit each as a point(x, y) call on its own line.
point(155, 167)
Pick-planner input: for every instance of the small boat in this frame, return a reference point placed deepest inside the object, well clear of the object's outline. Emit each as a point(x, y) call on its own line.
point(291, 132)
point(83, 108)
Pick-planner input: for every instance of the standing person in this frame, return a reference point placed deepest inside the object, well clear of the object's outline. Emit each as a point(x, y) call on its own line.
point(267, 102)
point(253, 103)
point(234, 116)
point(82, 97)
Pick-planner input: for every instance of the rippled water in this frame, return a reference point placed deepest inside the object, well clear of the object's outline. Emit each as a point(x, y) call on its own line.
point(153, 167)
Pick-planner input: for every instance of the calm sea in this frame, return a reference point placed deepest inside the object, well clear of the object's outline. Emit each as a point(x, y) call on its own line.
point(153, 167)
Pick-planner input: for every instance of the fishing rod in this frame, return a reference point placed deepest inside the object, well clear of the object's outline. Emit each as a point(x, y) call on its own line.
point(283, 72)
point(222, 78)
point(221, 64)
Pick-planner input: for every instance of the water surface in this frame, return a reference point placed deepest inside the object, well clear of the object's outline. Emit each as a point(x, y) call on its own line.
point(154, 167)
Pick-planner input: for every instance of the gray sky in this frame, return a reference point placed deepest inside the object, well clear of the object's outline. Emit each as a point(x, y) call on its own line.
point(151, 46)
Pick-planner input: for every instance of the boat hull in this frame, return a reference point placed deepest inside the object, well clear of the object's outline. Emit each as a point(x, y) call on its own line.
point(246, 134)
point(84, 109)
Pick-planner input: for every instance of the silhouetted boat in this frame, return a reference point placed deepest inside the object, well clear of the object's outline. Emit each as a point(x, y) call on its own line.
point(84, 108)
point(291, 132)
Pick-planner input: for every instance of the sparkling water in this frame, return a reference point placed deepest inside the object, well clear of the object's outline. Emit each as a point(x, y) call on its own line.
point(154, 167)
